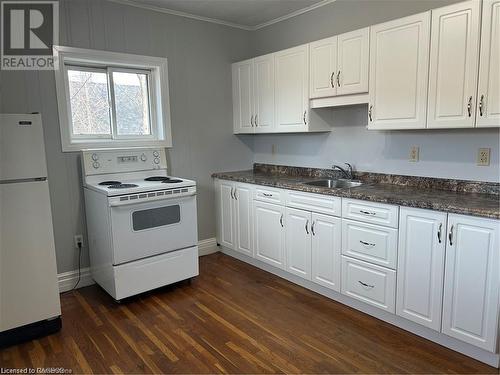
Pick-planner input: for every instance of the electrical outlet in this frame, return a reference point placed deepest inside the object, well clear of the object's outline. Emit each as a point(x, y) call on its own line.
point(78, 240)
point(483, 157)
point(414, 153)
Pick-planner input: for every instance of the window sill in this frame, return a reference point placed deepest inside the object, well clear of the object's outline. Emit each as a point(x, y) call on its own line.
point(96, 144)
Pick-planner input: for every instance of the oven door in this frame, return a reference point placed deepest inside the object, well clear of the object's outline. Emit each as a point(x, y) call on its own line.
point(146, 229)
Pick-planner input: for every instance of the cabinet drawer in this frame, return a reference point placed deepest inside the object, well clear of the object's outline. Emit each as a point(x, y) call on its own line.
point(368, 283)
point(322, 204)
point(371, 243)
point(269, 195)
point(375, 213)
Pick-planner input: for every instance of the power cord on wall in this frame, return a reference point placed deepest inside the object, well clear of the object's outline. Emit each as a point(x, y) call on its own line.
point(79, 264)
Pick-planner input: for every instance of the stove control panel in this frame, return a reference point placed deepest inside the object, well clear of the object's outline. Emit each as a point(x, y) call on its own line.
point(123, 160)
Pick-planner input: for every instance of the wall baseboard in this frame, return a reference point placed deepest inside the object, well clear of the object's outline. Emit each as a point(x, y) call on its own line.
point(67, 280)
point(208, 246)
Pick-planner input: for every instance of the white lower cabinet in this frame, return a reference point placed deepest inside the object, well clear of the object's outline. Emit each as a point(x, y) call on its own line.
point(326, 260)
point(226, 219)
point(298, 242)
point(244, 219)
point(369, 283)
point(471, 281)
point(269, 226)
point(421, 266)
point(234, 219)
point(447, 266)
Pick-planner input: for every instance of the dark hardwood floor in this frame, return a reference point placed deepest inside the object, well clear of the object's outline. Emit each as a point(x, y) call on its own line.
point(233, 318)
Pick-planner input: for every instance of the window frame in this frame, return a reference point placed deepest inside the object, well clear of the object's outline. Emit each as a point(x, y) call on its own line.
point(109, 62)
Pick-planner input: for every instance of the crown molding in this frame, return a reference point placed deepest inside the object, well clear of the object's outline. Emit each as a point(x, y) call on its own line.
point(293, 14)
point(137, 4)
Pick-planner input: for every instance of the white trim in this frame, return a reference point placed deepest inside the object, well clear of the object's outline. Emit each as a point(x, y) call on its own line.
point(208, 246)
point(492, 359)
point(293, 14)
point(159, 103)
point(67, 280)
point(134, 3)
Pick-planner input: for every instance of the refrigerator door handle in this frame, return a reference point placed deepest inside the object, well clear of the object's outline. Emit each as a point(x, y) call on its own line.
point(21, 180)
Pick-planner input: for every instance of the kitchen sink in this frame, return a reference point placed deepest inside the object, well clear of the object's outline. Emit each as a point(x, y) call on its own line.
point(346, 184)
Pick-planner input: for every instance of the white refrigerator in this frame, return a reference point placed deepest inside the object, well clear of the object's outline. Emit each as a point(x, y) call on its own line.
point(29, 295)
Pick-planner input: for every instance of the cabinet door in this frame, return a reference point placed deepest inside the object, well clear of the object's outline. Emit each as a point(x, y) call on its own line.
point(243, 106)
point(453, 65)
point(298, 242)
point(488, 101)
point(422, 241)
point(264, 93)
point(353, 58)
point(399, 59)
point(292, 89)
point(226, 214)
point(243, 214)
point(471, 282)
point(323, 56)
point(326, 242)
point(269, 223)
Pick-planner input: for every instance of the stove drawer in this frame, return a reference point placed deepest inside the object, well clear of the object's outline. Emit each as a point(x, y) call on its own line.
point(150, 273)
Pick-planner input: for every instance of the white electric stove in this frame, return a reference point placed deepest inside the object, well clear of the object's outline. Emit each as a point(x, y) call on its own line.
point(141, 222)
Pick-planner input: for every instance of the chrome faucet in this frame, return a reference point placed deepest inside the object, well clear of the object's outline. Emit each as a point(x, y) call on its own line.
point(348, 174)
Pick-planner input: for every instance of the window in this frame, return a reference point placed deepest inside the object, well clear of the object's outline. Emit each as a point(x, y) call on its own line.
point(108, 99)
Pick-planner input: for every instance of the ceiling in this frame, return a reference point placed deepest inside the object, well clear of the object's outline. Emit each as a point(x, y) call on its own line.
point(244, 14)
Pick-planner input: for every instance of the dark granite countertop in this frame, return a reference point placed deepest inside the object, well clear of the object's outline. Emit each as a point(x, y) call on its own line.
point(467, 203)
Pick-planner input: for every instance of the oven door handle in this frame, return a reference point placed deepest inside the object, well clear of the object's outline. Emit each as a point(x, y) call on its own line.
point(139, 201)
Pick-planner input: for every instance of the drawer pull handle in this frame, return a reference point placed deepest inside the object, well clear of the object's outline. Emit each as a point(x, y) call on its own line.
point(367, 212)
point(232, 195)
point(281, 221)
point(312, 228)
point(267, 195)
point(366, 285)
point(439, 231)
point(307, 230)
point(450, 236)
point(367, 243)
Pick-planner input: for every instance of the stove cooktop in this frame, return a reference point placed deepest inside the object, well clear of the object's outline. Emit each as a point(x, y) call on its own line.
point(108, 183)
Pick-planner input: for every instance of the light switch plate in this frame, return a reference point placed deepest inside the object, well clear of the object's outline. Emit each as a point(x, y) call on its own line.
point(414, 154)
point(483, 157)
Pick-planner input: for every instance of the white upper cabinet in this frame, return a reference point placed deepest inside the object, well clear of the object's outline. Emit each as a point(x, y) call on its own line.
point(353, 62)
point(292, 89)
point(243, 96)
point(488, 95)
point(453, 65)
point(339, 65)
point(472, 279)
point(323, 54)
point(264, 94)
point(422, 241)
point(399, 58)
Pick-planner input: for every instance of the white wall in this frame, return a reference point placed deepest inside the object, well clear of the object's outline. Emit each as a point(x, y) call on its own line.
point(450, 154)
point(199, 57)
